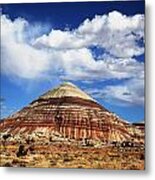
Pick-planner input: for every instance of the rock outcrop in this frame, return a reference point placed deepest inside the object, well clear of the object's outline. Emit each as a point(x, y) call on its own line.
point(67, 112)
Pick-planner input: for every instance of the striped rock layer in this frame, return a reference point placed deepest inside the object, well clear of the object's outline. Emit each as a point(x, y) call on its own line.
point(73, 114)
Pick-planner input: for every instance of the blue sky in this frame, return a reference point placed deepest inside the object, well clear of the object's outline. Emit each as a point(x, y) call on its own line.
point(99, 46)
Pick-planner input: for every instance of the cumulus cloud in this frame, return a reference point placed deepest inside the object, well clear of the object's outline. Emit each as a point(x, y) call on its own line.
point(118, 34)
point(67, 55)
point(18, 57)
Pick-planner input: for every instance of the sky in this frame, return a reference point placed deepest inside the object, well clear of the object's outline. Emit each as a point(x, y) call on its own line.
point(98, 46)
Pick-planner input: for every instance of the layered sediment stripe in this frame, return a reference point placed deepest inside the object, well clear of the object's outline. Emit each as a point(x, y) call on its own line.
point(72, 113)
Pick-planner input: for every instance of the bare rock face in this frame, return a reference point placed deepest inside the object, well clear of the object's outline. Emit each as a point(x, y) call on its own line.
point(64, 113)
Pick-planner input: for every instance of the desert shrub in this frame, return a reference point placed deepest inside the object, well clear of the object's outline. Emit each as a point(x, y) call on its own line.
point(22, 165)
point(67, 159)
point(8, 164)
point(21, 151)
point(133, 167)
point(142, 157)
point(6, 136)
point(52, 163)
point(31, 148)
point(80, 166)
point(50, 139)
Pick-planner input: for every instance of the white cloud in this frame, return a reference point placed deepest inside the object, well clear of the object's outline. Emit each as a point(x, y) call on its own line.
point(129, 93)
point(18, 57)
point(26, 54)
point(118, 21)
point(68, 50)
point(58, 39)
point(115, 32)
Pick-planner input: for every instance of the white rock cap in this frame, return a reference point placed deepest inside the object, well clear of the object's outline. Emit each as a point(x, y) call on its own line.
point(67, 89)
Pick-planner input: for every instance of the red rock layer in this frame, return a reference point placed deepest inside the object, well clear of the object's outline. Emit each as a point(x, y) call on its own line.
point(74, 118)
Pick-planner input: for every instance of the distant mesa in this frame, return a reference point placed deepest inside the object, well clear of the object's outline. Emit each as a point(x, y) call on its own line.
point(69, 113)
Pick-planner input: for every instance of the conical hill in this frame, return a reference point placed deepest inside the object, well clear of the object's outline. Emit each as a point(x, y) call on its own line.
point(70, 113)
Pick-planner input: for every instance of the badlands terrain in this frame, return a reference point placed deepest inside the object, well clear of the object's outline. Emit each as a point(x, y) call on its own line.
point(66, 128)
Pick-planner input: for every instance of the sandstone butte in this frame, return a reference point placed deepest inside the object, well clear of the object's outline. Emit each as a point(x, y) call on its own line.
point(68, 113)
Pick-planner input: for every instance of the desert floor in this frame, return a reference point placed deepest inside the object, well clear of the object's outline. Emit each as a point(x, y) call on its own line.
point(61, 155)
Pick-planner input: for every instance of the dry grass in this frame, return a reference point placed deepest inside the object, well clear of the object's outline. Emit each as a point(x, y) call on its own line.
point(67, 156)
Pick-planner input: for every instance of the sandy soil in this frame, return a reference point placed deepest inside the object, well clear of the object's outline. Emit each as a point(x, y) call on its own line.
point(61, 155)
